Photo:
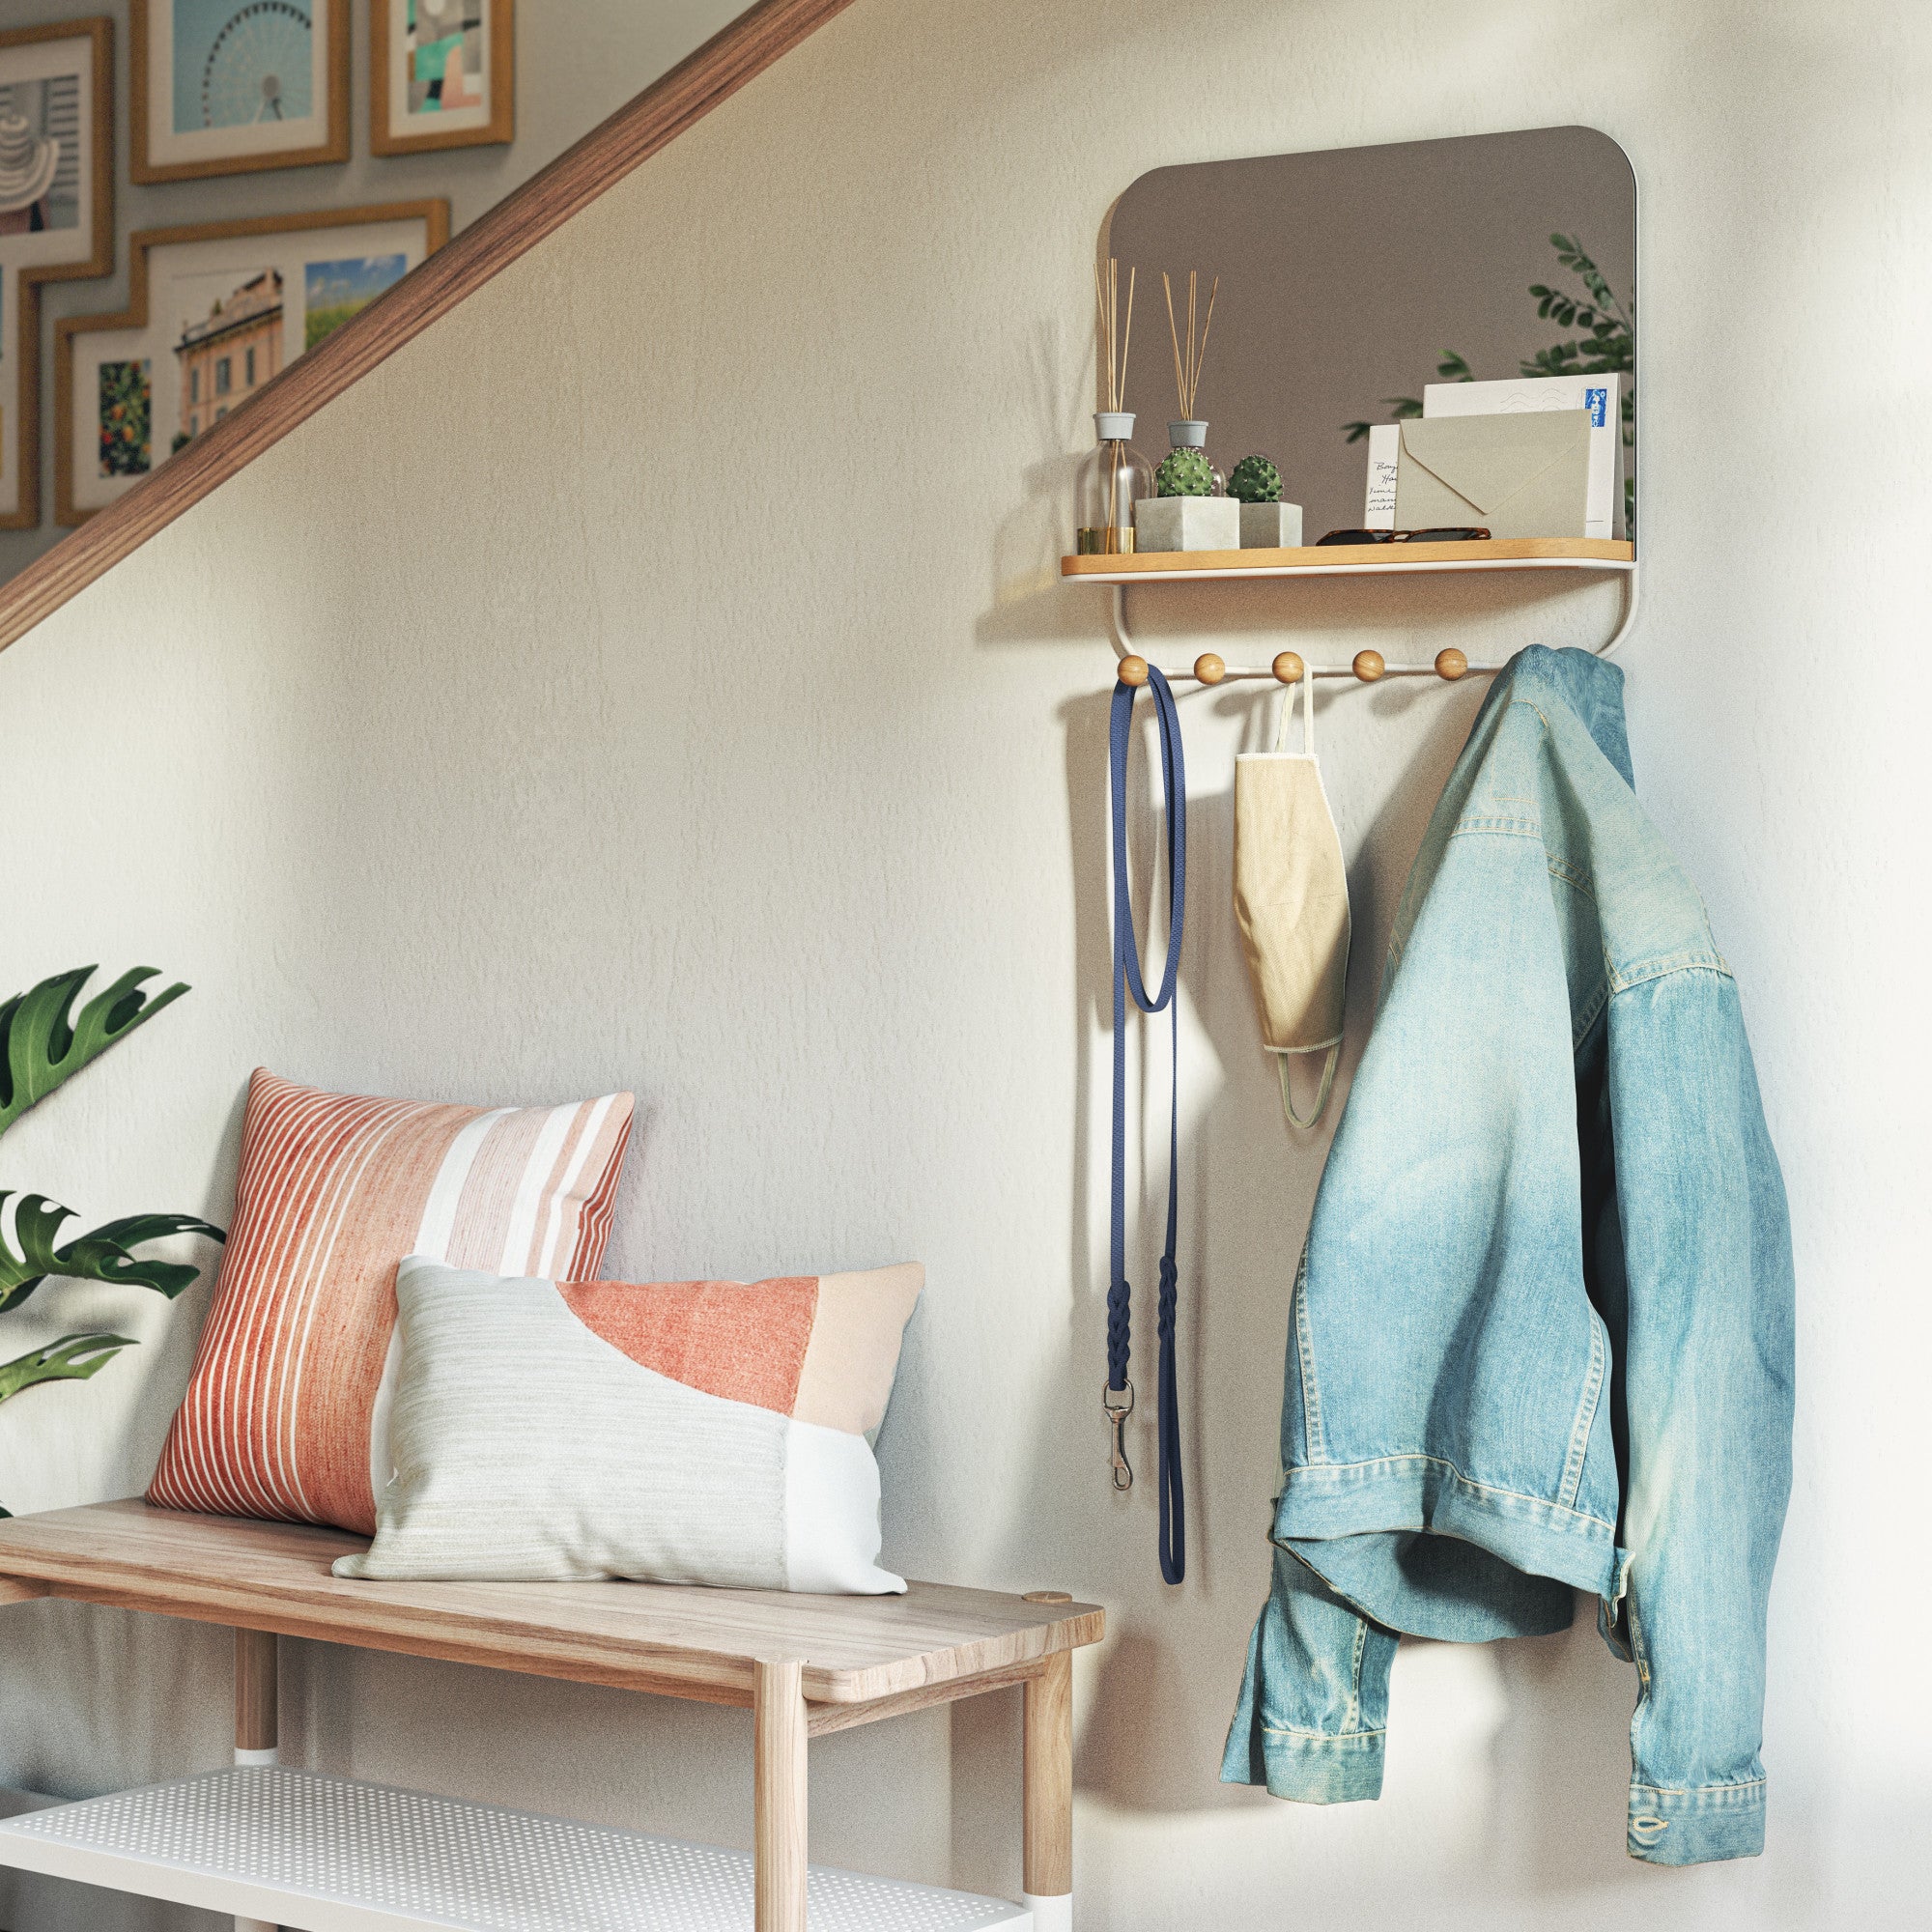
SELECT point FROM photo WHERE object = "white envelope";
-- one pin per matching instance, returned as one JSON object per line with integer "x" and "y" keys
{"x": 1601, "y": 395}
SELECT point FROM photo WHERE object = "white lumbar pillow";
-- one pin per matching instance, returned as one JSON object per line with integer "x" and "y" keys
{"x": 528, "y": 1447}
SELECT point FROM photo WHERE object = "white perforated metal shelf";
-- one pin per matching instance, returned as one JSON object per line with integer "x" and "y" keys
{"x": 329, "y": 1855}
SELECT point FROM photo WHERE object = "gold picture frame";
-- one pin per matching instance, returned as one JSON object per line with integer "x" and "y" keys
{"x": 60, "y": 113}
{"x": 396, "y": 124}
{"x": 233, "y": 69}
{"x": 234, "y": 278}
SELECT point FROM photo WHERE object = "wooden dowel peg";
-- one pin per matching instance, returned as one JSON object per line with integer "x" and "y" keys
{"x": 1133, "y": 671}
{"x": 1287, "y": 668}
{"x": 1450, "y": 664}
{"x": 1369, "y": 665}
{"x": 1210, "y": 669}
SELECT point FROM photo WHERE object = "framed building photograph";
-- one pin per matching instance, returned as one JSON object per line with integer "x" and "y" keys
{"x": 56, "y": 216}
{"x": 441, "y": 74}
{"x": 226, "y": 87}
{"x": 217, "y": 311}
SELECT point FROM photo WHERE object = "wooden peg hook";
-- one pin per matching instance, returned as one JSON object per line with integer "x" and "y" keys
{"x": 1133, "y": 671}
{"x": 1287, "y": 668}
{"x": 1369, "y": 665}
{"x": 1210, "y": 669}
{"x": 1450, "y": 664}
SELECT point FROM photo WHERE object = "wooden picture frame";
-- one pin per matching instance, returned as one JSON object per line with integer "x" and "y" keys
{"x": 383, "y": 242}
{"x": 46, "y": 248}
{"x": 258, "y": 33}
{"x": 394, "y": 128}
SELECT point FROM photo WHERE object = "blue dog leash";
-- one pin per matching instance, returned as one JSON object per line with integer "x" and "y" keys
{"x": 1116, "y": 1398}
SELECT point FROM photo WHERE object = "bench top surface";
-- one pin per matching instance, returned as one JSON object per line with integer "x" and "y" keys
{"x": 671, "y": 1638}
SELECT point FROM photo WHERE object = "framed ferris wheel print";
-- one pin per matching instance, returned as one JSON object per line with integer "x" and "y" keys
{"x": 225, "y": 87}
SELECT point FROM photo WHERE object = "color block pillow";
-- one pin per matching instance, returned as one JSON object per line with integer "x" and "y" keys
{"x": 286, "y": 1411}
{"x": 566, "y": 1432}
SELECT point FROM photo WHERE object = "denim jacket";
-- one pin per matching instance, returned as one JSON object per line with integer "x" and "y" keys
{"x": 1540, "y": 1334}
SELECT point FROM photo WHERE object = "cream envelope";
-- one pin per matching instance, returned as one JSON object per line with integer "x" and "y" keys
{"x": 1524, "y": 475}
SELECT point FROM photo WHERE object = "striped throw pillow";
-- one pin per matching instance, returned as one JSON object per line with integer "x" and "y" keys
{"x": 287, "y": 1405}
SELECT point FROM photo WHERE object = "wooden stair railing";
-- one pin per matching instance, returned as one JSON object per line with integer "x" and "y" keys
{"x": 630, "y": 137}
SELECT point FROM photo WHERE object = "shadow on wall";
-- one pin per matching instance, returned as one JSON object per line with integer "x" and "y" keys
{"x": 1553, "y": 1720}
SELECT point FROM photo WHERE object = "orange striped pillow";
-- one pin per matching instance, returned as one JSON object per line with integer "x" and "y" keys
{"x": 286, "y": 1411}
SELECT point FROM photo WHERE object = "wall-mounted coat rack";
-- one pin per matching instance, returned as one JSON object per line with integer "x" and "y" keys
{"x": 1493, "y": 259}
{"x": 1593, "y": 555}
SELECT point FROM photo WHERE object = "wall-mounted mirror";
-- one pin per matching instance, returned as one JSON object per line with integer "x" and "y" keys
{"x": 1350, "y": 282}
{"x": 286, "y": 165}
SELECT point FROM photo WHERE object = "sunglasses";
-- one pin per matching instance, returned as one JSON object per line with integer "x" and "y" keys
{"x": 1465, "y": 533}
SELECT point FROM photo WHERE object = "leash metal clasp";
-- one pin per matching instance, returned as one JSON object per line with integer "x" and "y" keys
{"x": 1117, "y": 1413}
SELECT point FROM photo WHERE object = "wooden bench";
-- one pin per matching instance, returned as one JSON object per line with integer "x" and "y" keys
{"x": 273, "y": 1845}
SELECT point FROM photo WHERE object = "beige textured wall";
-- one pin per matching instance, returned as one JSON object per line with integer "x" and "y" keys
{"x": 655, "y": 676}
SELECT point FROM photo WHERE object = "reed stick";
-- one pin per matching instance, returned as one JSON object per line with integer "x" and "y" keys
{"x": 1188, "y": 361}
{"x": 1120, "y": 338}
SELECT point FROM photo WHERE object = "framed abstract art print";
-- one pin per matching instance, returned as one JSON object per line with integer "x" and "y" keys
{"x": 215, "y": 311}
{"x": 441, "y": 74}
{"x": 226, "y": 87}
{"x": 56, "y": 216}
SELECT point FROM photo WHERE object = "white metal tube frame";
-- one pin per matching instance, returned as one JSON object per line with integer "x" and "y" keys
{"x": 1368, "y": 667}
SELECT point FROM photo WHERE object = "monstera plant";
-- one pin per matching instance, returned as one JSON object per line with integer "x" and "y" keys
{"x": 43, "y": 1042}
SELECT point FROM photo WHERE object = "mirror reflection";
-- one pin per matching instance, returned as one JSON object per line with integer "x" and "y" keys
{"x": 1448, "y": 322}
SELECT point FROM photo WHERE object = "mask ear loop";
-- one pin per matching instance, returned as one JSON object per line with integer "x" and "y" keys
{"x": 1306, "y": 686}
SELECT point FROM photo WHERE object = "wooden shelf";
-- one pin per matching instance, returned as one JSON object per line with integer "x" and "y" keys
{"x": 1190, "y": 566}
{"x": 886, "y": 1653}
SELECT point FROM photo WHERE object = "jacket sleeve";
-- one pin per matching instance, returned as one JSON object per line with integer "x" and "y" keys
{"x": 1705, "y": 1304}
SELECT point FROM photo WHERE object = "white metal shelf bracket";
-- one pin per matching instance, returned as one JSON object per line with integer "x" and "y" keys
{"x": 1124, "y": 646}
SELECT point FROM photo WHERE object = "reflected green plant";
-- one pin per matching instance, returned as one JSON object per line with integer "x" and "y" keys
{"x": 1606, "y": 346}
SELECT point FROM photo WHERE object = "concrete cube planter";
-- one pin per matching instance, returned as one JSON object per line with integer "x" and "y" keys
{"x": 1271, "y": 525}
{"x": 1187, "y": 523}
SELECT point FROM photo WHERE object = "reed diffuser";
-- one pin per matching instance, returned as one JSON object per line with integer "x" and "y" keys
{"x": 1116, "y": 476}
{"x": 1187, "y": 430}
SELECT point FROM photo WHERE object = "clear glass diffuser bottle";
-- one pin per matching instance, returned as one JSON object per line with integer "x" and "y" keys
{"x": 1112, "y": 480}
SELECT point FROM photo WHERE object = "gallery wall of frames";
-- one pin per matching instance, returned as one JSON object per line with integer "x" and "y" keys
{"x": 195, "y": 192}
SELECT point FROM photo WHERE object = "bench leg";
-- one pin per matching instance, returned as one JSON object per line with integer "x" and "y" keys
{"x": 255, "y": 1717}
{"x": 778, "y": 1808}
{"x": 1049, "y": 1794}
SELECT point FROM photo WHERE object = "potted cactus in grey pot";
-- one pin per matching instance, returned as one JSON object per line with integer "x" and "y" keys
{"x": 1185, "y": 513}
{"x": 44, "y": 1042}
{"x": 1267, "y": 522}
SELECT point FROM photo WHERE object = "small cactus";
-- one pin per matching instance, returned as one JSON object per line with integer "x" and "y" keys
{"x": 1255, "y": 480}
{"x": 1185, "y": 472}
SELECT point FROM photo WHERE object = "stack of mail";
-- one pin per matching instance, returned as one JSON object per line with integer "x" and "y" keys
{"x": 1535, "y": 457}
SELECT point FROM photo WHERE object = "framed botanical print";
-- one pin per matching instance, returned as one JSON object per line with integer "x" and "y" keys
{"x": 215, "y": 311}
{"x": 226, "y": 87}
{"x": 56, "y": 216}
{"x": 441, "y": 74}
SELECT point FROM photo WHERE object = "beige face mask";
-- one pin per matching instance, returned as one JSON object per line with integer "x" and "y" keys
{"x": 1291, "y": 900}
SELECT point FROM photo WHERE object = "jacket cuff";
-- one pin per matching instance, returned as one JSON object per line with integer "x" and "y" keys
{"x": 1313, "y": 1769}
{"x": 1696, "y": 1827}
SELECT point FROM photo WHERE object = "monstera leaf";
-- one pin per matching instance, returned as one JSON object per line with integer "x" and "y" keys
{"x": 70, "y": 1359}
{"x": 103, "y": 1254}
{"x": 43, "y": 1041}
